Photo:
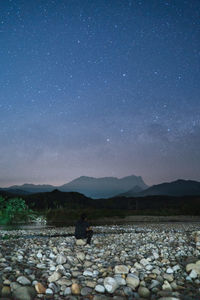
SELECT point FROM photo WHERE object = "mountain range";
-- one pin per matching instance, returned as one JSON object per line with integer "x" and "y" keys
{"x": 104, "y": 187}
{"x": 107, "y": 187}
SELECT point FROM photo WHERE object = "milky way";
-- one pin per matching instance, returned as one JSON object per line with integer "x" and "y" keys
{"x": 99, "y": 88}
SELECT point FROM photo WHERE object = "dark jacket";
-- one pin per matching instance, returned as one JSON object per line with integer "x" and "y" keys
{"x": 80, "y": 229}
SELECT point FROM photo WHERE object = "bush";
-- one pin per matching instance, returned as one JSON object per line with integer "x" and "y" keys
{"x": 14, "y": 210}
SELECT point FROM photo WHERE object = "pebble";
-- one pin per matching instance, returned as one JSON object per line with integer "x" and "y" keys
{"x": 132, "y": 281}
{"x": 75, "y": 288}
{"x": 23, "y": 280}
{"x": 99, "y": 288}
{"x": 157, "y": 261}
{"x": 40, "y": 289}
{"x": 110, "y": 284}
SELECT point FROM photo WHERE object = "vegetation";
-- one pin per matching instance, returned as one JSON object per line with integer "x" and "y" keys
{"x": 65, "y": 208}
{"x": 14, "y": 210}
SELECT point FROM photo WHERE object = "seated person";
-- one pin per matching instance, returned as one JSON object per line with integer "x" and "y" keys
{"x": 83, "y": 229}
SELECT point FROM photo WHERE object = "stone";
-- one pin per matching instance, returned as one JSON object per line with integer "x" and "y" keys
{"x": 54, "y": 287}
{"x": 138, "y": 266}
{"x": 99, "y": 288}
{"x": 67, "y": 291}
{"x": 169, "y": 271}
{"x": 176, "y": 268}
{"x": 120, "y": 280}
{"x": 166, "y": 286}
{"x": 6, "y": 291}
{"x": 7, "y": 282}
{"x": 49, "y": 291}
{"x": 40, "y": 289}
{"x": 80, "y": 242}
{"x": 39, "y": 255}
{"x": 88, "y": 273}
{"x": 143, "y": 292}
{"x": 91, "y": 284}
{"x": 75, "y": 288}
{"x": 61, "y": 259}
{"x": 23, "y": 280}
{"x": 64, "y": 281}
{"x": 193, "y": 274}
{"x": 54, "y": 277}
{"x": 121, "y": 269}
{"x": 87, "y": 264}
{"x": 132, "y": 281}
{"x": 24, "y": 293}
{"x": 195, "y": 267}
{"x": 14, "y": 286}
{"x": 85, "y": 291}
{"x": 168, "y": 298}
{"x": 80, "y": 255}
{"x": 110, "y": 284}
{"x": 168, "y": 277}
{"x": 197, "y": 236}
{"x": 144, "y": 262}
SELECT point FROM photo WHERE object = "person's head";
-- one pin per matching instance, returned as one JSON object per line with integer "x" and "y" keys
{"x": 83, "y": 217}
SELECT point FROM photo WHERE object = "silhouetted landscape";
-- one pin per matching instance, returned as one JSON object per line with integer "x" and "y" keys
{"x": 181, "y": 197}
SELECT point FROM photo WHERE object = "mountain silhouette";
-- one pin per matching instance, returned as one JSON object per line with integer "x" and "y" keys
{"x": 179, "y": 187}
{"x": 104, "y": 187}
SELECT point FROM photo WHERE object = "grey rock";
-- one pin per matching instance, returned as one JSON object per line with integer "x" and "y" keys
{"x": 110, "y": 284}
{"x": 99, "y": 288}
{"x": 23, "y": 280}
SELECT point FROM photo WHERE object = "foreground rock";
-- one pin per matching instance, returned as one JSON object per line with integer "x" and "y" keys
{"x": 142, "y": 262}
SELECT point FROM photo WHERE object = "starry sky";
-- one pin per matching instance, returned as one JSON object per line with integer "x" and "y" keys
{"x": 99, "y": 88}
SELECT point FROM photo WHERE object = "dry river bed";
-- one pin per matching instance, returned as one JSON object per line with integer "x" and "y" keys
{"x": 142, "y": 261}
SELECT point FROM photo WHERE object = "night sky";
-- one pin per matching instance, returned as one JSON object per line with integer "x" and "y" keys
{"x": 99, "y": 88}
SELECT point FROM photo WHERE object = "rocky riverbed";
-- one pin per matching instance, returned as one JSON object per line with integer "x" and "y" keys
{"x": 146, "y": 261}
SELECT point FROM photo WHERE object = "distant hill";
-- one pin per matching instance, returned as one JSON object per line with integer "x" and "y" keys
{"x": 104, "y": 187}
{"x": 131, "y": 193}
{"x": 176, "y": 188}
{"x": 30, "y": 188}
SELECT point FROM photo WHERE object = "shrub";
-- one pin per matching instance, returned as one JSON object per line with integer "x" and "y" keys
{"x": 14, "y": 210}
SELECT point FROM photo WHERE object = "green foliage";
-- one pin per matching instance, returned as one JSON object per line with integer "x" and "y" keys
{"x": 14, "y": 210}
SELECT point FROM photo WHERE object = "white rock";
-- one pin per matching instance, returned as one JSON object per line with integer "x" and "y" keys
{"x": 99, "y": 288}
{"x": 169, "y": 271}
{"x": 87, "y": 273}
{"x": 61, "y": 259}
{"x": 110, "y": 284}
{"x": 80, "y": 242}
{"x": 156, "y": 255}
{"x": 144, "y": 262}
{"x": 193, "y": 274}
{"x": 55, "y": 276}
{"x": 176, "y": 268}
